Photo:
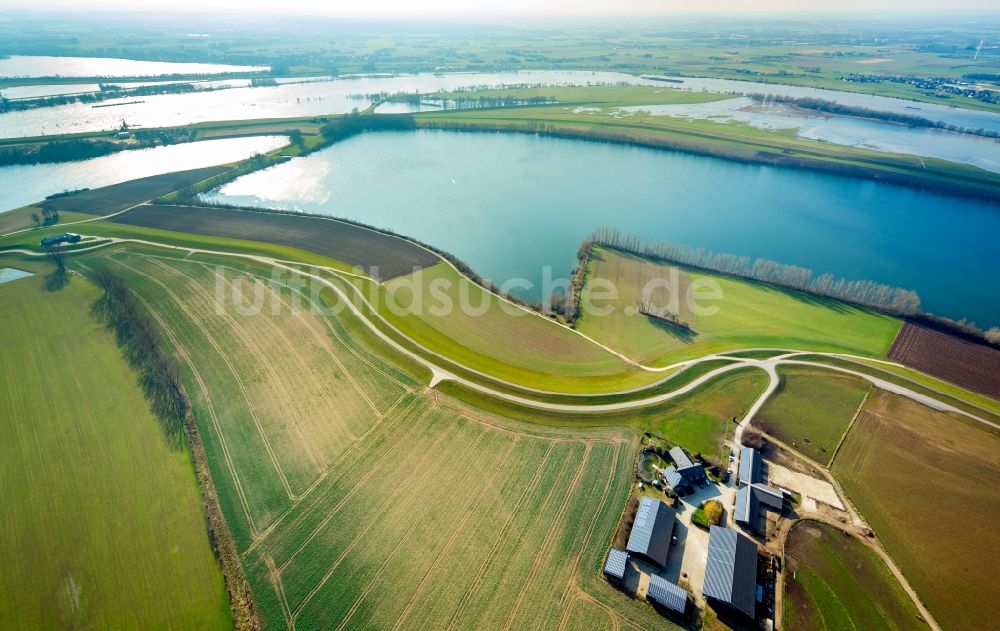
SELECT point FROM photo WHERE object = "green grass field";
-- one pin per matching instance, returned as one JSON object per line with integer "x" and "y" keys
{"x": 833, "y": 581}
{"x": 359, "y": 499}
{"x": 495, "y": 337}
{"x": 698, "y": 420}
{"x": 102, "y": 524}
{"x": 20, "y": 219}
{"x": 749, "y": 315}
{"x": 929, "y": 485}
{"x": 812, "y": 409}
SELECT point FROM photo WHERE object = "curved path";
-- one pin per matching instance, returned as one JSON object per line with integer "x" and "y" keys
{"x": 441, "y": 373}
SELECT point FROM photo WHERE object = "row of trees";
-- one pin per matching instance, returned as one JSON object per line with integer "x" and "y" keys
{"x": 136, "y": 336}
{"x": 49, "y": 216}
{"x": 861, "y": 292}
{"x": 831, "y": 107}
{"x": 82, "y": 149}
{"x": 106, "y": 92}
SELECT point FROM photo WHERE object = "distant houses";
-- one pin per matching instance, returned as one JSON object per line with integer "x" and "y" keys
{"x": 651, "y": 531}
{"x": 754, "y": 496}
{"x": 684, "y": 474}
{"x": 731, "y": 570}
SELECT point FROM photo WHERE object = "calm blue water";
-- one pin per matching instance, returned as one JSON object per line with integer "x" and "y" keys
{"x": 24, "y": 184}
{"x": 8, "y": 274}
{"x": 511, "y": 204}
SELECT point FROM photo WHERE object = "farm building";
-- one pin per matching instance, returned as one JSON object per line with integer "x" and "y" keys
{"x": 651, "y": 532}
{"x": 66, "y": 237}
{"x": 749, "y": 501}
{"x": 753, "y": 495}
{"x": 731, "y": 570}
{"x": 750, "y": 462}
{"x": 614, "y": 567}
{"x": 666, "y": 594}
{"x": 684, "y": 473}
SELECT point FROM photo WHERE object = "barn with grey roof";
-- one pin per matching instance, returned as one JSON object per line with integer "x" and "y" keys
{"x": 731, "y": 570}
{"x": 753, "y": 496}
{"x": 750, "y": 462}
{"x": 614, "y": 567}
{"x": 666, "y": 594}
{"x": 651, "y": 531}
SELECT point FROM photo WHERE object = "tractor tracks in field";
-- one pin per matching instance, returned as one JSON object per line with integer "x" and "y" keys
{"x": 236, "y": 375}
{"x": 419, "y": 465}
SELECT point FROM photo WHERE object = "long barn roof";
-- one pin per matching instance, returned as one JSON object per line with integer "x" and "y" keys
{"x": 731, "y": 570}
{"x": 650, "y": 536}
{"x": 749, "y": 465}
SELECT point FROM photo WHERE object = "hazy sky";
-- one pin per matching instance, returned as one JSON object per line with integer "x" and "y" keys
{"x": 459, "y": 8}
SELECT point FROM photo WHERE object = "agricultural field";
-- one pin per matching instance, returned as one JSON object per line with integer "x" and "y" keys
{"x": 973, "y": 402}
{"x": 967, "y": 364}
{"x": 811, "y": 409}
{"x": 359, "y": 499}
{"x": 834, "y": 581}
{"x": 381, "y": 255}
{"x": 929, "y": 485}
{"x": 749, "y": 315}
{"x": 118, "y": 197}
{"x": 20, "y": 218}
{"x": 90, "y": 477}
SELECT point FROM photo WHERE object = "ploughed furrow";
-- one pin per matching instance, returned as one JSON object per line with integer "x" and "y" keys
{"x": 374, "y": 451}
{"x": 375, "y": 515}
{"x": 488, "y": 602}
{"x": 290, "y": 432}
{"x": 401, "y": 570}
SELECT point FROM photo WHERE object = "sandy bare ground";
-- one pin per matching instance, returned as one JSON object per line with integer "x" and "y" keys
{"x": 809, "y": 487}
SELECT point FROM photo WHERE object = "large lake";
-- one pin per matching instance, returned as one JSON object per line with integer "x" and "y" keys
{"x": 312, "y": 98}
{"x": 510, "y": 205}
{"x": 44, "y": 66}
{"x": 23, "y": 184}
{"x": 295, "y": 98}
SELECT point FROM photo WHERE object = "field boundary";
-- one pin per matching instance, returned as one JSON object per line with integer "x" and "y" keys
{"x": 854, "y": 419}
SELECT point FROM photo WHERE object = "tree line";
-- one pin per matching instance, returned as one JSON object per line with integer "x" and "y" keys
{"x": 136, "y": 336}
{"x": 866, "y": 293}
{"x": 105, "y": 92}
{"x": 82, "y": 149}
{"x": 840, "y": 109}
{"x": 50, "y": 215}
